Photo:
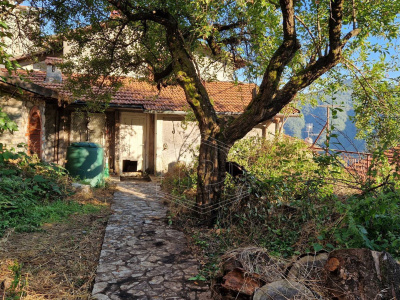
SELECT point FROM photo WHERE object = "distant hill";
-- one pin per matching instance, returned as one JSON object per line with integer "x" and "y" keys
{"x": 344, "y": 127}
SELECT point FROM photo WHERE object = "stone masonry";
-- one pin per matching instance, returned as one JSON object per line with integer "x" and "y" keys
{"x": 142, "y": 257}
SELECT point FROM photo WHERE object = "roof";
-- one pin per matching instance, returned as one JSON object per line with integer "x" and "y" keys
{"x": 227, "y": 97}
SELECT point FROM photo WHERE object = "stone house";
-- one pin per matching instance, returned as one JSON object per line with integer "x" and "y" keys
{"x": 143, "y": 129}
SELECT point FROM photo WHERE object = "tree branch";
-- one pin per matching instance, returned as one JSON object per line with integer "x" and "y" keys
{"x": 269, "y": 100}
{"x": 335, "y": 27}
{"x": 220, "y": 27}
{"x": 350, "y": 35}
{"x": 158, "y": 76}
{"x": 262, "y": 106}
{"x": 317, "y": 45}
{"x": 159, "y": 16}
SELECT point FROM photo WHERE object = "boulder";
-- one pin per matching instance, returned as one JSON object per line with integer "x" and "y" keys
{"x": 283, "y": 290}
{"x": 81, "y": 188}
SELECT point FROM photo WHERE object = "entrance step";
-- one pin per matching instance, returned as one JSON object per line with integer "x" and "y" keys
{"x": 134, "y": 176}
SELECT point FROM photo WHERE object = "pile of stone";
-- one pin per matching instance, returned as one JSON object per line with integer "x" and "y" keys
{"x": 346, "y": 274}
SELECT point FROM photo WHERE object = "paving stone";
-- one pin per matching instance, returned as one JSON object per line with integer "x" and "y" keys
{"x": 100, "y": 297}
{"x": 142, "y": 257}
{"x": 99, "y": 287}
{"x": 156, "y": 280}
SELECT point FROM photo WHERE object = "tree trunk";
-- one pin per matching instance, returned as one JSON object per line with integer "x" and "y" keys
{"x": 362, "y": 274}
{"x": 211, "y": 175}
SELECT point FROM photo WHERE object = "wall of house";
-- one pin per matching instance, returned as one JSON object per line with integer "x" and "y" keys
{"x": 20, "y": 43}
{"x": 18, "y": 110}
{"x": 176, "y": 141}
{"x": 50, "y": 151}
{"x": 88, "y": 128}
{"x": 266, "y": 130}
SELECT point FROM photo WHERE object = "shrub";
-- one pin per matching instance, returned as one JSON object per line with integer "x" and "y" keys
{"x": 26, "y": 187}
{"x": 372, "y": 221}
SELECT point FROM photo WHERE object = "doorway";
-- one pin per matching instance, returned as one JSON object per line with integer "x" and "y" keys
{"x": 35, "y": 133}
{"x": 132, "y": 142}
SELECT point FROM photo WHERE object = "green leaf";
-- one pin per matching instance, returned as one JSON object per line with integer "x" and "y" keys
{"x": 317, "y": 247}
{"x": 198, "y": 277}
{"x": 39, "y": 178}
{"x": 3, "y": 25}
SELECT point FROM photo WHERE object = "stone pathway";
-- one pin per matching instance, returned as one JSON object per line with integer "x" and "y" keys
{"x": 142, "y": 257}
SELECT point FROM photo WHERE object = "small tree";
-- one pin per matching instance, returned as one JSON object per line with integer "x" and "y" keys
{"x": 285, "y": 45}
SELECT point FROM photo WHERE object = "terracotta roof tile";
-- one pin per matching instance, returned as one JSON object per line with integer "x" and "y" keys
{"x": 53, "y": 60}
{"x": 228, "y": 97}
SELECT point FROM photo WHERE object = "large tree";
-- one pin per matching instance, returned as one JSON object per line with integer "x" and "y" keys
{"x": 284, "y": 45}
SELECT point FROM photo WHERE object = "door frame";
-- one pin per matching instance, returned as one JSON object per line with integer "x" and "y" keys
{"x": 145, "y": 138}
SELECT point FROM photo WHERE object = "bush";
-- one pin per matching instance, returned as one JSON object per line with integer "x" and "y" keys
{"x": 27, "y": 187}
{"x": 287, "y": 203}
{"x": 282, "y": 202}
{"x": 371, "y": 221}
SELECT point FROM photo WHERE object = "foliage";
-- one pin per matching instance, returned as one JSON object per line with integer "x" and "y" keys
{"x": 371, "y": 220}
{"x": 292, "y": 193}
{"x": 286, "y": 202}
{"x": 284, "y": 156}
{"x": 179, "y": 179}
{"x": 283, "y": 202}
{"x": 6, "y": 124}
{"x": 32, "y": 192}
{"x": 15, "y": 291}
{"x": 376, "y": 99}
{"x": 5, "y": 58}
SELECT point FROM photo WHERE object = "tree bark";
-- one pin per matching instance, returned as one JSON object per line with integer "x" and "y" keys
{"x": 211, "y": 174}
{"x": 362, "y": 274}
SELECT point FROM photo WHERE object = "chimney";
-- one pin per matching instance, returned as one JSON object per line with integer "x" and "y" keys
{"x": 53, "y": 73}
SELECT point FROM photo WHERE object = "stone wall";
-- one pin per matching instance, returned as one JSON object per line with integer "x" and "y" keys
{"x": 50, "y": 151}
{"x": 18, "y": 110}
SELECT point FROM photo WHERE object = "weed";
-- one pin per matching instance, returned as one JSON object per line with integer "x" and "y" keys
{"x": 33, "y": 192}
{"x": 15, "y": 291}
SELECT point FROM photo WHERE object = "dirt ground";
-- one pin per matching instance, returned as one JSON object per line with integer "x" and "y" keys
{"x": 60, "y": 260}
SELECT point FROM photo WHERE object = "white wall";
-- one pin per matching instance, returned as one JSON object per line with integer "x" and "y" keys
{"x": 176, "y": 141}
{"x": 19, "y": 21}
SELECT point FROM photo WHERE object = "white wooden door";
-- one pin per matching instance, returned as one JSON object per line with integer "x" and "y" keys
{"x": 133, "y": 139}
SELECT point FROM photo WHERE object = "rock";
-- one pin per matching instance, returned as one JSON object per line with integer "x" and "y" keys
{"x": 308, "y": 267}
{"x": 239, "y": 281}
{"x": 362, "y": 274}
{"x": 283, "y": 290}
{"x": 83, "y": 188}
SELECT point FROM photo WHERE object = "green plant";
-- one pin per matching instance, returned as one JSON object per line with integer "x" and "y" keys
{"x": 15, "y": 291}
{"x": 6, "y": 124}
{"x": 32, "y": 192}
{"x": 371, "y": 220}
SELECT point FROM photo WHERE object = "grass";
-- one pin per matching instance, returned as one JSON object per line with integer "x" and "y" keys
{"x": 59, "y": 260}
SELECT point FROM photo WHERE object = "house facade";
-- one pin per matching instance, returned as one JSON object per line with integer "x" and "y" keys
{"x": 142, "y": 130}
